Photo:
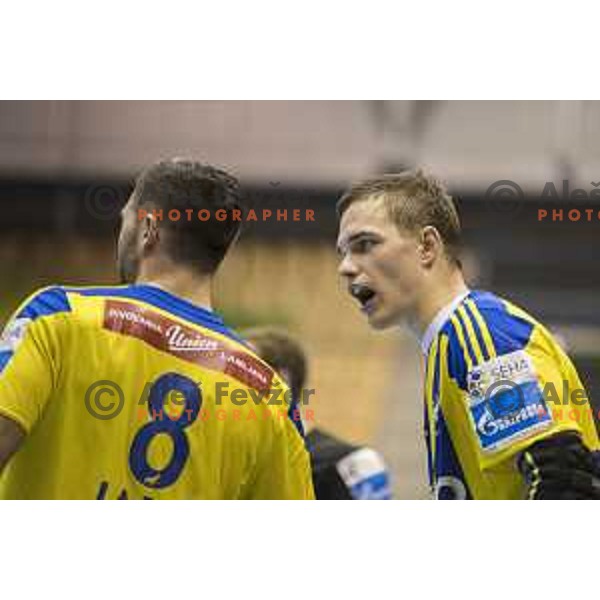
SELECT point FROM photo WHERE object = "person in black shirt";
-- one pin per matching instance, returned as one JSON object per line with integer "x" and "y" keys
{"x": 341, "y": 471}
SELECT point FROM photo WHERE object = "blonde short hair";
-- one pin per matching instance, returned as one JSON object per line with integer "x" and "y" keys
{"x": 412, "y": 200}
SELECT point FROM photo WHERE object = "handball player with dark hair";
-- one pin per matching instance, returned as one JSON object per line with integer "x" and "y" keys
{"x": 491, "y": 429}
{"x": 111, "y": 392}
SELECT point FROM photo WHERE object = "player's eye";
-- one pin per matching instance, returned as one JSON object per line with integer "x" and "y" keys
{"x": 363, "y": 246}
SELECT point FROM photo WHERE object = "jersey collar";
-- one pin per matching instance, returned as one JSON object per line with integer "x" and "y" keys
{"x": 440, "y": 320}
{"x": 160, "y": 292}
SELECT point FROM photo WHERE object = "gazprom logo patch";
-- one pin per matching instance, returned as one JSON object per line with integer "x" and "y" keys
{"x": 505, "y": 401}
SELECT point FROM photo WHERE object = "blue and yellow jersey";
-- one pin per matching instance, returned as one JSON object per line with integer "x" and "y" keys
{"x": 496, "y": 381}
{"x": 131, "y": 392}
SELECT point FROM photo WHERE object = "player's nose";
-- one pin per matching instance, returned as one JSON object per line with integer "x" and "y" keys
{"x": 347, "y": 267}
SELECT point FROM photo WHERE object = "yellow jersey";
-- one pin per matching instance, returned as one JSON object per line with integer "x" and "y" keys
{"x": 495, "y": 382}
{"x": 130, "y": 392}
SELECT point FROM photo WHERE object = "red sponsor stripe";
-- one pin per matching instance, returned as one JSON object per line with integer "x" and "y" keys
{"x": 249, "y": 370}
{"x": 186, "y": 343}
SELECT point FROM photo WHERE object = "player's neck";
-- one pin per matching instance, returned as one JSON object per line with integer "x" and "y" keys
{"x": 441, "y": 293}
{"x": 178, "y": 281}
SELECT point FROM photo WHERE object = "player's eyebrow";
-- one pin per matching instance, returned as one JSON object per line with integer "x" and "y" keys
{"x": 359, "y": 235}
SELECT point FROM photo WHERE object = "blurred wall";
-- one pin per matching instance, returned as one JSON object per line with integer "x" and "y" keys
{"x": 470, "y": 144}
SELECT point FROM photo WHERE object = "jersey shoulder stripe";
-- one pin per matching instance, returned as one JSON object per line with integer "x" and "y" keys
{"x": 463, "y": 339}
{"x": 456, "y": 356}
{"x": 45, "y": 302}
{"x": 483, "y": 327}
{"x": 509, "y": 330}
{"x": 486, "y": 343}
{"x": 42, "y": 303}
{"x": 469, "y": 327}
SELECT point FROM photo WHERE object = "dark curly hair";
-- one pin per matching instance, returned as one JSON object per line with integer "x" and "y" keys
{"x": 181, "y": 184}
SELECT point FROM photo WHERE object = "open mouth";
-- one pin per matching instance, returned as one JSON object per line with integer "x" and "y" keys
{"x": 365, "y": 296}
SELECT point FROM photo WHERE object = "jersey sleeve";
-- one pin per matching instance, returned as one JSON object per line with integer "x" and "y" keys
{"x": 365, "y": 474}
{"x": 30, "y": 356}
{"x": 283, "y": 469}
{"x": 506, "y": 367}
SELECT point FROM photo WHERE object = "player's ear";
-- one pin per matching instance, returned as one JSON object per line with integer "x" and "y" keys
{"x": 150, "y": 232}
{"x": 430, "y": 245}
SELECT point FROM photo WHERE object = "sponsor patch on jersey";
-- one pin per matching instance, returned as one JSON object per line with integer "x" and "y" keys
{"x": 186, "y": 343}
{"x": 13, "y": 334}
{"x": 505, "y": 401}
{"x": 365, "y": 475}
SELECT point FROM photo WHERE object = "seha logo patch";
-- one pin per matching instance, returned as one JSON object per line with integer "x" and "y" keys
{"x": 505, "y": 401}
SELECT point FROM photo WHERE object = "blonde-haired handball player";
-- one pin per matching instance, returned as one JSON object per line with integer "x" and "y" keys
{"x": 140, "y": 390}
{"x": 492, "y": 428}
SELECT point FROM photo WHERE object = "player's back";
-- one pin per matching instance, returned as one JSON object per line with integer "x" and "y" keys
{"x": 132, "y": 392}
